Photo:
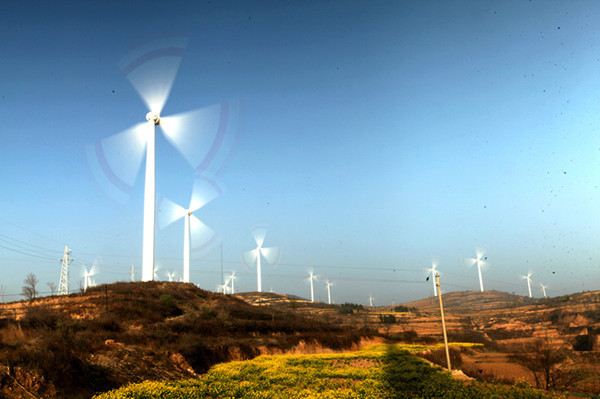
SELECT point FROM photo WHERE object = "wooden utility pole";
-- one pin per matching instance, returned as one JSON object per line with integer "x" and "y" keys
{"x": 437, "y": 283}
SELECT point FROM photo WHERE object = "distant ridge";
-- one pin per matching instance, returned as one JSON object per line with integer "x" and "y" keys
{"x": 470, "y": 300}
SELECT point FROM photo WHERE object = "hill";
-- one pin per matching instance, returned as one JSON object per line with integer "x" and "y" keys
{"x": 77, "y": 345}
{"x": 468, "y": 301}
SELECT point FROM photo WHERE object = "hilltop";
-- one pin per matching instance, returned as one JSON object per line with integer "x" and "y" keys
{"x": 76, "y": 345}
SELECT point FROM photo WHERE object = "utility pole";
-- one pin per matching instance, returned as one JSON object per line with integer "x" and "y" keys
{"x": 437, "y": 283}
{"x": 63, "y": 286}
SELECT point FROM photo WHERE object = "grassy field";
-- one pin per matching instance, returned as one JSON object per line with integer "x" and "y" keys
{"x": 377, "y": 371}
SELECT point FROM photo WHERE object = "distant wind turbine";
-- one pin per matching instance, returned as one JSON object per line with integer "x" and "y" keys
{"x": 231, "y": 279}
{"x": 311, "y": 278}
{"x": 329, "y": 284}
{"x": 544, "y": 287}
{"x": 479, "y": 261}
{"x": 528, "y": 278}
{"x": 433, "y": 271}
{"x": 116, "y": 160}
{"x": 204, "y": 191}
{"x": 371, "y": 300}
{"x": 255, "y": 255}
{"x": 87, "y": 274}
{"x": 171, "y": 275}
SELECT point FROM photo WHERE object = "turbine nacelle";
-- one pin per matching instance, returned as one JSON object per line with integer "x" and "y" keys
{"x": 153, "y": 117}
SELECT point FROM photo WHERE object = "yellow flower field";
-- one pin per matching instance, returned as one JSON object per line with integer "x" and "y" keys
{"x": 377, "y": 371}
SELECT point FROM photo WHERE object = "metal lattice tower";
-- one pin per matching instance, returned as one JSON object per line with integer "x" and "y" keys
{"x": 63, "y": 286}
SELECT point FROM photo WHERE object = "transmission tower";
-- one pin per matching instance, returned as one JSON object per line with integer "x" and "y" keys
{"x": 63, "y": 286}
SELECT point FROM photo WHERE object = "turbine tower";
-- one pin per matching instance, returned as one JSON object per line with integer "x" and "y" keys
{"x": 270, "y": 254}
{"x": 116, "y": 160}
{"x": 371, "y": 300}
{"x": 478, "y": 260}
{"x": 204, "y": 191}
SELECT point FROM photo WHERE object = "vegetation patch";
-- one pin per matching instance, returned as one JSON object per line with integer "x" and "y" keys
{"x": 377, "y": 371}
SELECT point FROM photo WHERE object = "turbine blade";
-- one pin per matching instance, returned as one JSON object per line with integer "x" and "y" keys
{"x": 168, "y": 212}
{"x": 249, "y": 258}
{"x": 151, "y": 69}
{"x": 271, "y": 254}
{"x": 204, "y": 136}
{"x": 204, "y": 191}
{"x": 203, "y": 237}
{"x": 480, "y": 252}
{"x": 95, "y": 267}
{"x": 259, "y": 234}
{"x": 114, "y": 162}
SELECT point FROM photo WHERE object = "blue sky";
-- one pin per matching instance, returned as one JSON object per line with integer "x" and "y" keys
{"x": 369, "y": 138}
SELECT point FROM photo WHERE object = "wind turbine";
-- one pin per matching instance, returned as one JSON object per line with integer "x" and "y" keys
{"x": 231, "y": 279}
{"x": 270, "y": 254}
{"x": 311, "y": 278}
{"x": 87, "y": 275}
{"x": 116, "y": 160}
{"x": 544, "y": 289}
{"x": 171, "y": 276}
{"x": 328, "y": 291}
{"x": 222, "y": 288}
{"x": 433, "y": 271}
{"x": 528, "y": 278}
{"x": 479, "y": 261}
{"x": 371, "y": 300}
{"x": 204, "y": 191}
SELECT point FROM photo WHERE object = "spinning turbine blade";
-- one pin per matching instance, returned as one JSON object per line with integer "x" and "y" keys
{"x": 249, "y": 258}
{"x": 259, "y": 234}
{"x": 271, "y": 254}
{"x": 115, "y": 161}
{"x": 169, "y": 212}
{"x": 152, "y": 68}
{"x": 203, "y": 237}
{"x": 204, "y": 191}
{"x": 203, "y": 136}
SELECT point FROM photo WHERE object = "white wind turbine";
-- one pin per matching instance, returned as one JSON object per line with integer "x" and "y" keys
{"x": 479, "y": 260}
{"x": 116, "y": 160}
{"x": 434, "y": 264}
{"x": 204, "y": 191}
{"x": 171, "y": 275}
{"x": 87, "y": 275}
{"x": 311, "y": 278}
{"x": 222, "y": 288}
{"x": 371, "y": 300}
{"x": 329, "y": 284}
{"x": 231, "y": 279}
{"x": 528, "y": 278}
{"x": 544, "y": 287}
{"x": 270, "y": 254}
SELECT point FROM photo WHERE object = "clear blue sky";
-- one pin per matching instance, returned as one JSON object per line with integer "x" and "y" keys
{"x": 371, "y": 136}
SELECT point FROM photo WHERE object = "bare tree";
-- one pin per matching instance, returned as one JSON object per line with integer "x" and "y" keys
{"x": 52, "y": 287}
{"x": 29, "y": 291}
{"x": 552, "y": 364}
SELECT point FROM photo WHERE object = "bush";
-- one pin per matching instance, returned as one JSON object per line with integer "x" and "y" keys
{"x": 387, "y": 318}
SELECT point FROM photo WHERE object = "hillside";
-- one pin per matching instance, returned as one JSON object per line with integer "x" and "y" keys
{"x": 76, "y": 345}
{"x": 468, "y": 301}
